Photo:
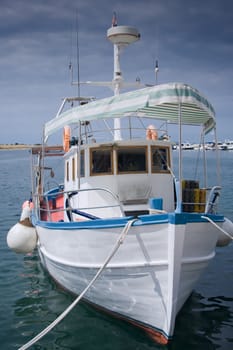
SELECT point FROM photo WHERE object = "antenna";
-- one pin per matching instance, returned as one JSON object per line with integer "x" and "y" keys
{"x": 156, "y": 71}
{"x": 77, "y": 58}
{"x": 120, "y": 36}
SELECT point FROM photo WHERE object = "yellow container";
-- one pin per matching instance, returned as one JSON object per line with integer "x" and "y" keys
{"x": 196, "y": 200}
{"x": 202, "y": 200}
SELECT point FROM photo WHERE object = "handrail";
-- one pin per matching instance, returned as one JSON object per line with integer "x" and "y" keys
{"x": 68, "y": 208}
{"x": 128, "y": 129}
{"x": 100, "y": 206}
{"x": 211, "y": 201}
{"x": 206, "y": 205}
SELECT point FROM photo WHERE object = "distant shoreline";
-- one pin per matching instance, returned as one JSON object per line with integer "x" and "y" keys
{"x": 17, "y": 146}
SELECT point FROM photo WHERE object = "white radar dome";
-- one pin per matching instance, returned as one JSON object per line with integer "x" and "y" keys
{"x": 123, "y": 35}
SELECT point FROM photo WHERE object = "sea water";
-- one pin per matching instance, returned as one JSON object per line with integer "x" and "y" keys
{"x": 30, "y": 300}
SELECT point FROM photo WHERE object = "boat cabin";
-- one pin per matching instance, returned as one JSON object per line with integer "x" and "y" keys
{"x": 136, "y": 171}
{"x": 116, "y": 163}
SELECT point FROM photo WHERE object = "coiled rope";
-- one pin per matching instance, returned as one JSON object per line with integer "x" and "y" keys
{"x": 75, "y": 302}
{"x": 220, "y": 229}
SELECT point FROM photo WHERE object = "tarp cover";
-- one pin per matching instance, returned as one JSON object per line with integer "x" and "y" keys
{"x": 162, "y": 102}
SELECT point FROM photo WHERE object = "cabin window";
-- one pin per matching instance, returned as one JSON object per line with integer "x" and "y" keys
{"x": 101, "y": 161}
{"x": 67, "y": 171}
{"x": 73, "y": 169}
{"x": 160, "y": 159}
{"x": 131, "y": 160}
{"x": 82, "y": 164}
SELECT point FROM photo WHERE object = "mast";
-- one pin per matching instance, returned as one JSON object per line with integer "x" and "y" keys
{"x": 120, "y": 37}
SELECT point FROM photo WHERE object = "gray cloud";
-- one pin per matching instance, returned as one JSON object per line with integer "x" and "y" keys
{"x": 192, "y": 41}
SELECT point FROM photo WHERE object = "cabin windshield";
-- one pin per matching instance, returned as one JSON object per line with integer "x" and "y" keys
{"x": 127, "y": 159}
{"x": 131, "y": 159}
{"x": 160, "y": 159}
{"x": 101, "y": 161}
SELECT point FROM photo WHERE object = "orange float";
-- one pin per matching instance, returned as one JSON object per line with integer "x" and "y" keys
{"x": 151, "y": 133}
{"x": 66, "y": 138}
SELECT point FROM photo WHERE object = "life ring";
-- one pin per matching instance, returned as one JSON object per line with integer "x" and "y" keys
{"x": 151, "y": 133}
{"x": 66, "y": 138}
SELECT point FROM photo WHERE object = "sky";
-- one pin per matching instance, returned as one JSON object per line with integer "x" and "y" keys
{"x": 192, "y": 41}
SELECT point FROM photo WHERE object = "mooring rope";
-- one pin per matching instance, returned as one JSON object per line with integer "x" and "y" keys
{"x": 75, "y": 302}
{"x": 220, "y": 229}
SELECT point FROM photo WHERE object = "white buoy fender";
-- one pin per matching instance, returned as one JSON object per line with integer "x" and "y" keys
{"x": 22, "y": 237}
{"x": 223, "y": 239}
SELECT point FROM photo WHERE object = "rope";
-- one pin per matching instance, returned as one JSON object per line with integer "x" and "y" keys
{"x": 220, "y": 229}
{"x": 75, "y": 302}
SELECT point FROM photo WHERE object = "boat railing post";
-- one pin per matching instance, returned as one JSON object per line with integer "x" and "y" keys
{"x": 47, "y": 208}
{"x": 217, "y": 157}
{"x": 79, "y": 155}
{"x": 179, "y": 190}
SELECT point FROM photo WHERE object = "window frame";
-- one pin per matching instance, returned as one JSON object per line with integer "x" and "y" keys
{"x": 168, "y": 159}
{"x": 73, "y": 169}
{"x": 100, "y": 149}
{"x": 82, "y": 163}
{"x": 144, "y": 147}
{"x": 67, "y": 170}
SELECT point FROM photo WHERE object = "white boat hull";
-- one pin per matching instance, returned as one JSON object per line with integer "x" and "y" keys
{"x": 118, "y": 166}
{"x": 149, "y": 278}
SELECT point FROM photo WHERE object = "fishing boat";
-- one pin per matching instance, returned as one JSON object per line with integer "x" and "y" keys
{"x": 229, "y": 145}
{"x": 123, "y": 229}
{"x": 187, "y": 146}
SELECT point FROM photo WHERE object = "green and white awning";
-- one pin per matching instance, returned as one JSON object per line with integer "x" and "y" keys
{"x": 161, "y": 102}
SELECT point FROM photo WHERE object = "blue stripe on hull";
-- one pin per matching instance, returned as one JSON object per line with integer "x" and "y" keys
{"x": 172, "y": 218}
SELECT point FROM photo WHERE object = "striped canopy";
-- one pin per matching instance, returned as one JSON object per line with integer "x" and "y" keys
{"x": 169, "y": 102}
